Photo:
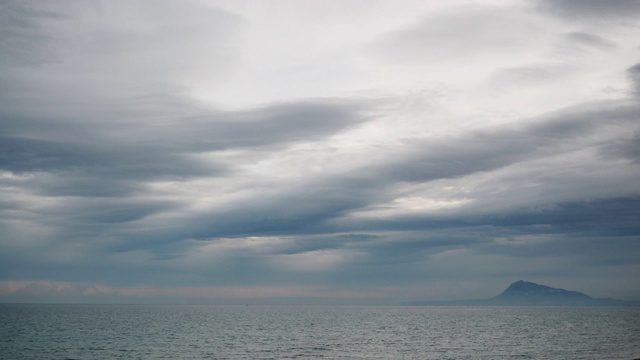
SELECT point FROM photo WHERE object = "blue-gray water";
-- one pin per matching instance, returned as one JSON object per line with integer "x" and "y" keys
{"x": 283, "y": 332}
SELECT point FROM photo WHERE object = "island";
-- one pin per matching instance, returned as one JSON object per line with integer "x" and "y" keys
{"x": 525, "y": 293}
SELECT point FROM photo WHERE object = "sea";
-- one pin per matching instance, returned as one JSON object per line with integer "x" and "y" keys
{"x": 39, "y": 331}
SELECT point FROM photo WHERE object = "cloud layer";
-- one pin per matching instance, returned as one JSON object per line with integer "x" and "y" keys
{"x": 320, "y": 153}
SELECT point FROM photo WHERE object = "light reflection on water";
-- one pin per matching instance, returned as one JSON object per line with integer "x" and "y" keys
{"x": 286, "y": 332}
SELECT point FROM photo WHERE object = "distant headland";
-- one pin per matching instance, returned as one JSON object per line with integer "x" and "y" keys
{"x": 525, "y": 293}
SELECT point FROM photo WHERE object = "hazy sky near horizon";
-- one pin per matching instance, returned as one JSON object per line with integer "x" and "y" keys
{"x": 317, "y": 151}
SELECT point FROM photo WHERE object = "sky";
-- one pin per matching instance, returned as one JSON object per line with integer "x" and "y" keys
{"x": 317, "y": 152}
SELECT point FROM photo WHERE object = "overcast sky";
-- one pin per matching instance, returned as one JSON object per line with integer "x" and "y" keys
{"x": 320, "y": 152}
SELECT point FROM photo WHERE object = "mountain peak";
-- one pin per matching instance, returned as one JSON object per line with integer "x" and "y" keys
{"x": 526, "y": 293}
{"x": 528, "y": 286}
{"x": 529, "y": 292}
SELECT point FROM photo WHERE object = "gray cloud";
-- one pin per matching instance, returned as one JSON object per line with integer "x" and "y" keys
{"x": 149, "y": 150}
{"x": 323, "y": 206}
{"x": 591, "y": 40}
{"x": 120, "y": 164}
{"x": 634, "y": 75}
{"x": 627, "y": 147}
{"x": 490, "y": 150}
{"x": 285, "y": 123}
{"x": 591, "y": 9}
{"x": 24, "y": 39}
{"x": 316, "y": 214}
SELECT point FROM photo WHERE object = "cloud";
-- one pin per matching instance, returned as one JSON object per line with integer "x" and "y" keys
{"x": 488, "y": 149}
{"x": 530, "y": 75}
{"x": 590, "y": 40}
{"x": 144, "y": 148}
{"x": 23, "y": 37}
{"x": 153, "y": 149}
{"x": 634, "y": 75}
{"x": 330, "y": 205}
{"x": 591, "y": 9}
{"x": 459, "y": 35}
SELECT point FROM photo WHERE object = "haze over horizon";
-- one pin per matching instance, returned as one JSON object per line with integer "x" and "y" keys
{"x": 317, "y": 152}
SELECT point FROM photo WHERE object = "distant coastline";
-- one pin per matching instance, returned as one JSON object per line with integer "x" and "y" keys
{"x": 526, "y": 293}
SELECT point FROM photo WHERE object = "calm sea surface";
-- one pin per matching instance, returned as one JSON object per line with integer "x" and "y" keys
{"x": 283, "y": 332}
